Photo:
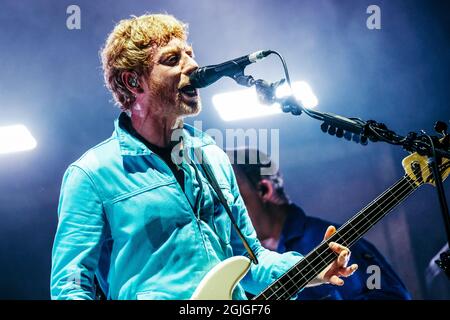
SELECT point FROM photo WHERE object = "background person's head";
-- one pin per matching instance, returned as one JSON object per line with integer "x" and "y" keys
{"x": 258, "y": 191}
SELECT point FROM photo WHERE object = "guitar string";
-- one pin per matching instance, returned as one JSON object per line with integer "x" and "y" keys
{"x": 377, "y": 218}
{"x": 328, "y": 253}
{"x": 370, "y": 223}
{"x": 350, "y": 241}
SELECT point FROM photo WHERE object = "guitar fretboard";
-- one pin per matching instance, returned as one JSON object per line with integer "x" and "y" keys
{"x": 318, "y": 259}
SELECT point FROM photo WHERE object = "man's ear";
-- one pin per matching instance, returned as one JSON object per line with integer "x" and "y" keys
{"x": 265, "y": 190}
{"x": 131, "y": 80}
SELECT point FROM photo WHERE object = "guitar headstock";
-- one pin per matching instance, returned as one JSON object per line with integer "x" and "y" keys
{"x": 419, "y": 169}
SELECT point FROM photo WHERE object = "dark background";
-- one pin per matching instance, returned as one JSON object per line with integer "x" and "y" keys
{"x": 51, "y": 81}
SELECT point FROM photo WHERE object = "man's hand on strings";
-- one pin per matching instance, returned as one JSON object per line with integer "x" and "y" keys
{"x": 338, "y": 268}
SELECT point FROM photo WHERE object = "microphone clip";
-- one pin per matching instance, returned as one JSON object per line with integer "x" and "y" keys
{"x": 266, "y": 93}
{"x": 242, "y": 79}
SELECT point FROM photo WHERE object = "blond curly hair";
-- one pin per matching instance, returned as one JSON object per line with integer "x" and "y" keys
{"x": 130, "y": 47}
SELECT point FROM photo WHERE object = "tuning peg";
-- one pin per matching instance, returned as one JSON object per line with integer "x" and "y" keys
{"x": 441, "y": 127}
{"x": 339, "y": 132}
{"x": 332, "y": 130}
{"x": 347, "y": 135}
{"x": 363, "y": 140}
{"x": 324, "y": 127}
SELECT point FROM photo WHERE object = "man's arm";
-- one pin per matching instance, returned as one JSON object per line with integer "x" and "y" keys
{"x": 78, "y": 239}
{"x": 271, "y": 264}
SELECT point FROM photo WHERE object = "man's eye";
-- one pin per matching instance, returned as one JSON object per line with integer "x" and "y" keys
{"x": 172, "y": 59}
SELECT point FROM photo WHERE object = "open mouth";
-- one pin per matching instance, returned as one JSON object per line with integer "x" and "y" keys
{"x": 189, "y": 91}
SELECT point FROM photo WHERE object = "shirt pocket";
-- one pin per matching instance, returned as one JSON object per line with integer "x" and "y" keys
{"x": 155, "y": 211}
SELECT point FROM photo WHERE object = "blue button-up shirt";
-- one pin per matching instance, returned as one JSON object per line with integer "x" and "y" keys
{"x": 124, "y": 217}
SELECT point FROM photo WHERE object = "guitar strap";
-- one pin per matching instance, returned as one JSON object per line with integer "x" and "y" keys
{"x": 206, "y": 166}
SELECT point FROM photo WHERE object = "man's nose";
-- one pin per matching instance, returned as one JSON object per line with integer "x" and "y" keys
{"x": 190, "y": 65}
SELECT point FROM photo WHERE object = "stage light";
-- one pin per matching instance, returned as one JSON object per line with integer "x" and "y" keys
{"x": 243, "y": 104}
{"x": 16, "y": 138}
{"x": 302, "y": 91}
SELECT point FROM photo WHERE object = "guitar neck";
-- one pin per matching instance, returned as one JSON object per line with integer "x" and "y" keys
{"x": 312, "y": 264}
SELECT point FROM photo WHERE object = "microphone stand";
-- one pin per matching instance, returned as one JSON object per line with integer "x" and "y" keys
{"x": 434, "y": 147}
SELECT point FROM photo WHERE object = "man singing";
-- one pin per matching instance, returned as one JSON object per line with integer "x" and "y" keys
{"x": 146, "y": 226}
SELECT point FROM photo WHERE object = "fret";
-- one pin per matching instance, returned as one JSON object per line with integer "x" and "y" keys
{"x": 297, "y": 282}
{"x": 319, "y": 254}
{"x": 299, "y": 276}
{"x": 356, "y": 224}
{"x": 273, "y": 291}
{"x": 287, "y": 275}
{"x": 354, "y": 233}
{"x": 292, "y": 290}
{"x": 411, "y": 184}
{"x": 313, "y": 255}
{"x": 377, "y": 210}
{"x": 378, "y": 206}
{"x": 393, "y": 194}
{"x": 363, "y": 216}
{"x": 324, "y": 263}
{"x": 285, "y": 287}
{"x": 296, "y": 272}
{"x": 290, "y": 287}
{"x": 338, "y": 237}
{"x": 306, "y": 269}
{"x": 281, "y": 287}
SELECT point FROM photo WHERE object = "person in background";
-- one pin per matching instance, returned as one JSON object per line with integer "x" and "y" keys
{"x": 436, "y": 279}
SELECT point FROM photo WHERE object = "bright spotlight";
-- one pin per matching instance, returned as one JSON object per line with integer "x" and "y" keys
{"x": 16, "y": 138}
{"x": 302, "y": 91}
{"x": 244, "y": 104}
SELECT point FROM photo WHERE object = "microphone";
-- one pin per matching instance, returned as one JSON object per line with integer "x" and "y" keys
{"x": 204, "y": 76}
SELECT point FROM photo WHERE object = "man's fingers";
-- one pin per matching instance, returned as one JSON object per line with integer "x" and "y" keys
{"x": 330, "y": 231}
{"x": 346, "y": 272}
{"x": 336, "y": 280}
{"x": 343, "y": 258}
{"x": 338, "y": 248}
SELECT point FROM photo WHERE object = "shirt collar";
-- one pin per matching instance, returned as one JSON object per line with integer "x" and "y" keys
{"x": 132, "y": 146}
